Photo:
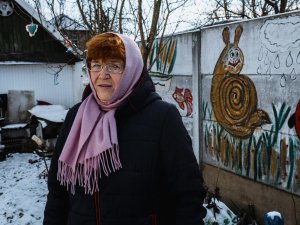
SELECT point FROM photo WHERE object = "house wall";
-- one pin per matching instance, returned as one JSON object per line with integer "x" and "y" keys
{"x": 54, "y": 83}
{"x": 245, "y": 126}
{"x": 78, "y": 37}
{"x": 17, "y": 45}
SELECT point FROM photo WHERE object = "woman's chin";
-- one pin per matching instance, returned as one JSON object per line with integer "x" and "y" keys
{"x": 103, "y": 101}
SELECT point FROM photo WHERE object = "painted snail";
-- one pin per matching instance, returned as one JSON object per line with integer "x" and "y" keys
{"x": 233, "y": 95}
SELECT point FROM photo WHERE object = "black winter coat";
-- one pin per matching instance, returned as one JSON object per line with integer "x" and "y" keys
{"x": 159, "y": 183}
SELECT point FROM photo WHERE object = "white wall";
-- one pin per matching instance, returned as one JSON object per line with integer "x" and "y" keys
{"x": 179, "y": 80}
{"x": 271, "y": 49}
{"x": 54, "y": 83}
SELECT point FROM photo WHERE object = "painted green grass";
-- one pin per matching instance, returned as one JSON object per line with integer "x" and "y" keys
{"x": 269, "y": 138}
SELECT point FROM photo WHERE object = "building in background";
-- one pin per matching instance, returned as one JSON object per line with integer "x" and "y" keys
{"x": 76, "y": 32}
{"x": 34, "y": 56}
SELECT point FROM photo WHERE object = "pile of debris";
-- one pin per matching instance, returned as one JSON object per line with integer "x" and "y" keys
{"x": 16, "y": 137}
{"x": 19, "y": 123}
{"x": 50, "y": 119}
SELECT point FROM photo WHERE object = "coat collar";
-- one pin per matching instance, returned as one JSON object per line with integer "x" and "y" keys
{"x": 143, "y": 94}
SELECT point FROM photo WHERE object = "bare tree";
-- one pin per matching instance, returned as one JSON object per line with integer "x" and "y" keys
{"x": 101, "y": 16}
{"x": 143, "y": 20}
{"x": 146, "y": 44}
{"x": 161, "y": 11}
{"x": 231, "y": 9}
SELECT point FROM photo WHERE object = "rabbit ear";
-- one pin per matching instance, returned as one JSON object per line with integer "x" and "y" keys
{"x": 226, "y": 35}
{"x": 238, "y": 34}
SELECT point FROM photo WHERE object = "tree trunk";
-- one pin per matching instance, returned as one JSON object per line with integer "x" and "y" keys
{"x": 153, "y": 29}
{"x": 283, "y": 4}
{"x": 140, "y": 24}
{"x": 121, "y": 17}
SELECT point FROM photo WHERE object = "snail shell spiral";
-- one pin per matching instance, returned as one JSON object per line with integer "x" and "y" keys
{"x": 237, "y": 99}
{"x": 234, "y": 103}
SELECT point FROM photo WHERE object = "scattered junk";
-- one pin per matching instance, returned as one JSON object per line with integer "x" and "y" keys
{"x": 238, "y": 216}
{"x": 18, "y": 104}
{"x": 2, "y": 153}
{"x": 16, "y": 138}
{"x": 3, "y": 107}
{"x": 41, "y": 147}
{"x": 15, "y": 132}
{"x": 273, "y": 218}
{"x": 3, "y": 110}
{"x": 49, "y": 119}
{"x": 22, "y": 117}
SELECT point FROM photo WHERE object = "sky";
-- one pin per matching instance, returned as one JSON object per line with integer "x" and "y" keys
{"x": 189, "y": 15}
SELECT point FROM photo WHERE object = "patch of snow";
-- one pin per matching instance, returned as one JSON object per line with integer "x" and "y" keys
{"x": 43, "y": 123}
{"x": 54, "y": 113}
{"x": 225, "y": 217}
{"x": 14, "y": 126}
{"x": 273, "y": 214}
{"x": 19, "y": 63}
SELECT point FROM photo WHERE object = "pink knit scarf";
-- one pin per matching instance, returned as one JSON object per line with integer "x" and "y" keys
{"x": 91, "y": 148}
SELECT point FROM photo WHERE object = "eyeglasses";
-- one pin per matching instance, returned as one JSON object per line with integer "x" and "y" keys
{"x": 109, "y": 68}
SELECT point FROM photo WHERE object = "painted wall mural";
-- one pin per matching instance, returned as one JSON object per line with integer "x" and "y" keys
{"x": 161, "y": 62}
{"x": 251, "y": 120}
{"x": 280, "y": 49}
{"x": 163, "y": 56}
{"x": 267, "y": 155}
{"x": 294, "y": 120}
{"x": 170, "y": 67}
{"x": 184, "y": 99}
{"x": 233, "y": 95}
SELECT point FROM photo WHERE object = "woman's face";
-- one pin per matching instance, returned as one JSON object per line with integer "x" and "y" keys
{"x": 106, "y": 77}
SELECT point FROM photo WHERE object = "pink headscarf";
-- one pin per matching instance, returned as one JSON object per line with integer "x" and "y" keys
{"x": 92, "y": 145}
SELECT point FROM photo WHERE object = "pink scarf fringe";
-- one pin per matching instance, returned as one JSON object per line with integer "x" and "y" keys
{"x": 87, "y": 174}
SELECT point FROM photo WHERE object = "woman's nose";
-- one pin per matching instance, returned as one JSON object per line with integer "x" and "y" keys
{"x": 103, "y": 74}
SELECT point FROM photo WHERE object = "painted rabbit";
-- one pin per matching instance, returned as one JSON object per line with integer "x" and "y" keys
{"x": 233, "y": 95}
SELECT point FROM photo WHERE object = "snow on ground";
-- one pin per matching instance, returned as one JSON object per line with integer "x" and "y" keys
{"x": 225, "y": 217}
{"x": 14, "y": 126}
{"x": 23, "y": 192}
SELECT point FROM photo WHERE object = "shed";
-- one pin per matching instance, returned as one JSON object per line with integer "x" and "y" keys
{"x": 41, "y": 63}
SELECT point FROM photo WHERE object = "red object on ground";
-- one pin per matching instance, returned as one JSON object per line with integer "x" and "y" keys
{"x": 297, "y": 120}
{"x": 43, "y": 103}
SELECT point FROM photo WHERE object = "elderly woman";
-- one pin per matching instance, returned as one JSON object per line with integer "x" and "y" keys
{"x": 123, "y": 156}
